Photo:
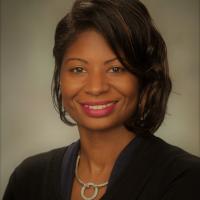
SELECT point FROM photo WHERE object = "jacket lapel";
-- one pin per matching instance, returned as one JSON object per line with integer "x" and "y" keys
{"x": 133, "y": 179}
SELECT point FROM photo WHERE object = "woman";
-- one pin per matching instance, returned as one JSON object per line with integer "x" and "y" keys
{"x": 111, "y": 78}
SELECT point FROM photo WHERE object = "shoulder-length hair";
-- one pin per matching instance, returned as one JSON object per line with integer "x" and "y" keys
{"x": 128, "y": 28}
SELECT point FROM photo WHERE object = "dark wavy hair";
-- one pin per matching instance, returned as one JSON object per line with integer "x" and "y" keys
{"x": 128, "y": 28}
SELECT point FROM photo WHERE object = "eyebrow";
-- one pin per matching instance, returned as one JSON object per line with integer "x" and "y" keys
{"x": 71, "y": 59}
{"x": 111, "y": 60}
{"x": 84, "y": 61}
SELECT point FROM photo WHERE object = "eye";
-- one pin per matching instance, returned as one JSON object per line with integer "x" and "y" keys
{"x": 117, "y": 69}
{"x": 77, "y": 70}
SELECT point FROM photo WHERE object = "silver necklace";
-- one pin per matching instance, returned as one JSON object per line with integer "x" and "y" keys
{"x": 85, "y": 186}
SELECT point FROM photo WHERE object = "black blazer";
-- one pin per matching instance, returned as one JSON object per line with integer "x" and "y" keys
{"x": 156, "y": 171}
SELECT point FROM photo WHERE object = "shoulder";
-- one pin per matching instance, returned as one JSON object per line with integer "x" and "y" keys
{"x": 173, "y": 153}
{"x": 171, "y": 156}
{"x": 38, "y": 168}
{"x": 41, "y": 161}
{"x": 39, "y": 173}
{"x": 46, "y": 161}
{"x": 174, "y": 172}
{"x": 177, "y": 171}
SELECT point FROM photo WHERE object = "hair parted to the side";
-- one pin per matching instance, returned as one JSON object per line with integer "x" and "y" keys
{"x": 128, "y": 28}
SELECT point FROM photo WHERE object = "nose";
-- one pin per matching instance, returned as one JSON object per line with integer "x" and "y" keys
{"x": 97, "y": 84}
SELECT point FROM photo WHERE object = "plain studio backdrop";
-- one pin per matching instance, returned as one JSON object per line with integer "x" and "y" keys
{"x": 29, "y": 123}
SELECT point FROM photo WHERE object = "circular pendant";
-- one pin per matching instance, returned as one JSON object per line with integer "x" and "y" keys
{"x": 86, "y": 186}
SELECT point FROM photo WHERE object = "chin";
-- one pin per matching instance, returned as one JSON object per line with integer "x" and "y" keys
{"x": 100, "y": 125}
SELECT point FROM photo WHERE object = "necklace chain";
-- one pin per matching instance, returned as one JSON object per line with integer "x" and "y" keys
{"x": 88, "y": 185}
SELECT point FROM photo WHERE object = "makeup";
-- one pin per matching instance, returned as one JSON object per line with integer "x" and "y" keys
{"x": 98, "y": 109}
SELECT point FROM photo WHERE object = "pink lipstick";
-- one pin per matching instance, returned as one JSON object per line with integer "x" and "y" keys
{"x": 98, "y": 109}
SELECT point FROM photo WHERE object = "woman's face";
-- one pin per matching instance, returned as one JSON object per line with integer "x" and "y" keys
{"x": 97, "y": 91}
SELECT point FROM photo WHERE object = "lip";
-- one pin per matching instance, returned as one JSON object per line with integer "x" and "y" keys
{"x": 106, "y": 109}
{"x": 93, "y": 103}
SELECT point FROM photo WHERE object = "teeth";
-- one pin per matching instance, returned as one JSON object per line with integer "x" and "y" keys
{"x": 99, "y": 107}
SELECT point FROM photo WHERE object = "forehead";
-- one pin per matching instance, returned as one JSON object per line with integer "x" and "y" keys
{"x": 90, "y": 44}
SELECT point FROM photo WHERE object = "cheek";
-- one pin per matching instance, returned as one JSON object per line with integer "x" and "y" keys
{"x": 129, "y": 87}
{"x": 68, "y": 90}
{"x": 69, "y": 86}
{"x": 130, "y": 91}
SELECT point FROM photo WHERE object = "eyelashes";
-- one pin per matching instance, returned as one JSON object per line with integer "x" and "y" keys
{"x": 77, "y": 70}
{"x": 117, "y": 69}
{"x": 113, "y": 69}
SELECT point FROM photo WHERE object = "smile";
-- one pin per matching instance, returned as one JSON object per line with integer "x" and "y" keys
{"x": 98, "y": 109}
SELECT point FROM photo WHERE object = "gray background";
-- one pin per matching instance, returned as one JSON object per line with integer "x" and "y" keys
{"x": 30, "y": 125}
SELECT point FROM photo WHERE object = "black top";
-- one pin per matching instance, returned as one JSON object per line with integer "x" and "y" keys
{"x": 69, "y": 163}
{"x": 154, "y": 170}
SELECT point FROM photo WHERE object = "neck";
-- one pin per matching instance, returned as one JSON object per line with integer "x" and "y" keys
{"x": 100, "y": 149}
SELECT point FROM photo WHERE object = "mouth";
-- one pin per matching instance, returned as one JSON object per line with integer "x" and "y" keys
{"x": 98, "y": 109}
